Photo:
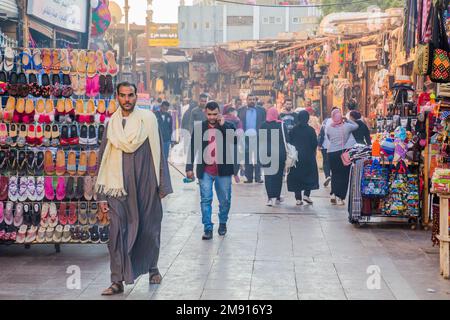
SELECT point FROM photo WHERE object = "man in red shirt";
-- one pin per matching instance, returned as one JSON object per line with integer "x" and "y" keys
{"x": 215, "y": 165}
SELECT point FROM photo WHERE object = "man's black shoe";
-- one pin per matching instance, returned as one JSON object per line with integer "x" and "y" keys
{"x": 208, "y": 235}
{"x": 260, "y": 181}
{"x": 222, "y": 229}
{"x": 248, "y": 181}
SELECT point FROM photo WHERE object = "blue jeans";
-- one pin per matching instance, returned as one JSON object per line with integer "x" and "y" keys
{"x": 223, "y": 190}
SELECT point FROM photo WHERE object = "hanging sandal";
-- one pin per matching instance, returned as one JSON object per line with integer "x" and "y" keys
{"x": 37, "y": 60}
{"x": 74, "y": 62}
{"x": 91, "y": 64}
{"x": 65, "y": 62}
{"x": 72, "y": 163}
{"x": 60, "y": 163}
{"x": 47, "y": 60}
{"x": 112, "y": 64}
{"x": 82, "y": 164}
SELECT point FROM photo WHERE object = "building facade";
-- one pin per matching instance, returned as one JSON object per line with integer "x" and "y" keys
{"x": 204, "y": 26}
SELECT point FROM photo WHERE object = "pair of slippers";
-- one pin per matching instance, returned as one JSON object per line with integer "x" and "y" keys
{"x": 99, "y": 85}
{"x": 18, "y": 85}
{"x": 56, "y": 60}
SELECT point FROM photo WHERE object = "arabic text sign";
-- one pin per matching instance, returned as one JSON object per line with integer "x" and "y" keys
{"x": 163, "y": 35}
{"x": 67, "y": 14}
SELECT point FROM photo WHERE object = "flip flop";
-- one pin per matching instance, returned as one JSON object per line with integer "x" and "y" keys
{"x": 9, "y": 59}
{"x": 49, "y": 191}
{"x": 75, "y": 78}
{"x": 47, "y": 60}
{"x": 60, "y": 163}
{"x": 80, "y": 188}
{"x": 91, "y": 64}
{"x": 61, "y": 189}
{"x": 37, "y": 60}
{"x": 82, "y": 216}
{"x": 49, "y": 164}
{"x": 67, "y": 91}
{"x": 112, "y": 107}
{"x": 56, "y": 63}
{"x": 82, "y": 85}
{"x": 72, "y": 163}
{"x": 26, "y": 60}
{"x": 88, "y": 187}
{"x": 81, "y": 64}
{"x": 93, "y": 210}
{"x": 65, "y": 62}
{"x": 92, "y": 163}
{"x": 112, "y": 64}
{"x": 62, "y": 216}
{"x": 40, "y": 189}
{"x": 41, "y": 235}
{"x": 53, "y": 215}
{"x": 66, "y": 232}
{"x": 102, "y": 68}
{"x": 82, "y": 164}
{"x": 55, "y": 135}
{"x": 74, "y": 62}
{"x": 39, "y": 165}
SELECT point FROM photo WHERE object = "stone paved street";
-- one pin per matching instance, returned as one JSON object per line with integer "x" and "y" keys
{"x": 285, "y": 252}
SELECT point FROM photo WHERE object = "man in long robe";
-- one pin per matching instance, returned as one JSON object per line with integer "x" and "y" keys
{"x": 133, "y": 179}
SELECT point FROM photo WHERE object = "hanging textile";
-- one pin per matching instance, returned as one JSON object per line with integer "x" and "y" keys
{"x": 229, "y": 61}
{"x": 355, "y": 205}
{"x": 410, "y": 25}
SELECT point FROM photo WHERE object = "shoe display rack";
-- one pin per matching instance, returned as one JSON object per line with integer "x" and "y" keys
{"x": 55, "y": 104}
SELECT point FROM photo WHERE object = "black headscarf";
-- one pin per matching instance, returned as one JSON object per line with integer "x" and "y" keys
{"x": 303, "y": 118}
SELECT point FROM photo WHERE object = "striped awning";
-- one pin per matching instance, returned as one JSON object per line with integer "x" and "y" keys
{"x": 9, "y": 10}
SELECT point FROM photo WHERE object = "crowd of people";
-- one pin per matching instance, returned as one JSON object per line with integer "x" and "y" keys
{"x": 133, "y": 175}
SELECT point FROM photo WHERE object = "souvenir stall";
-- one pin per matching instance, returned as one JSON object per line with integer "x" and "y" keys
{"x": 55, "y": 103}
{"x": 387, "y": 180}
{"x": 300, "y": 70}
{"x": 262, "y": 75}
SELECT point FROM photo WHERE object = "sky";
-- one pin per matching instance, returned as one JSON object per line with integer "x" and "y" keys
{"x": 164, "y": 11}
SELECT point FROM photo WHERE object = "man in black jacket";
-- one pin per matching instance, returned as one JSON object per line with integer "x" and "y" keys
{"x": 165, "y": 123}
{"x": 252, "y": 118}
{"x": 215, "y": 165}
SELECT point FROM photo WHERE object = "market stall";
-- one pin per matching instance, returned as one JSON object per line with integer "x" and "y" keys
{"x": 55, "y": 103}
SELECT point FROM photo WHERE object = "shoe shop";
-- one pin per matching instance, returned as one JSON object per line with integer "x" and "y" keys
{"x": 55, "y": 104}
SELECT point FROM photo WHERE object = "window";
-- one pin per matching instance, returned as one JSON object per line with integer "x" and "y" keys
{"x": 296, "y": 20}
{"x": 272, "y": 20}
{"x": 195, "y": 25}
{"x": 236, "y": 21}
{"x": 207, "y": 25}
{"x": 265, "y": 20}
{"x": 278, "y": 20}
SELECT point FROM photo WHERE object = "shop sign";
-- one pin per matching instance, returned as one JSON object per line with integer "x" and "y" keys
{"x": 67, "y": 14}
{"x": 163, "y": 35}
{"x": 368, "y": 53}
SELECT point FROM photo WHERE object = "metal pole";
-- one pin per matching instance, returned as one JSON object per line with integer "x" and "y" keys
{"x": 127, "y": 8}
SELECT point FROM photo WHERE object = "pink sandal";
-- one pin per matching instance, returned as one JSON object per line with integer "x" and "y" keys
{"x": 49, "y": 191}
{"x": 61, "y": 189}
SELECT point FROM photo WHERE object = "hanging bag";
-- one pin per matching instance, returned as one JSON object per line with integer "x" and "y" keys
{"x": 291, "y": 152}
{"x": 422, "y": 62}
{"x": 440, "y": 68}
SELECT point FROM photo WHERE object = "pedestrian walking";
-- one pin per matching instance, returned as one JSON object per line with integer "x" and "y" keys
{"x": 274, "y": 182}
{"x": 362, "y": 134}
{"x": 213, "y": 166}
{"x": 288, "y": 116}
{"x": 133, "y": 178}
{"x": 198, "y": 113}
{"x": 304, "y": 178}
{"x": 252, "y": 118}
{"x": 165, "y": 123}
{"x": 230, "y": 115}
{"x": 339, "y": 135}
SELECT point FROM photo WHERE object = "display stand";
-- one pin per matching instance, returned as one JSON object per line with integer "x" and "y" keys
{"x": 444, "y": 238}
